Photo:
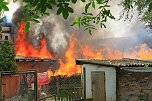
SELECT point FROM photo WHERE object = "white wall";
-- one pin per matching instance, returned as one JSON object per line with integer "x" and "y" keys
{"x": 110, "y": 80}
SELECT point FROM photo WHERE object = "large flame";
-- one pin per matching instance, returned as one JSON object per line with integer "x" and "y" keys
{"x": 68, "y": 66}
{"x": 90, "y": 53}
{"x": 25, "y": 48}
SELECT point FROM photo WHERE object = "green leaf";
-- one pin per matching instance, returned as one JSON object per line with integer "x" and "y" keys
{"x": 77, "y": 21}
{"x": 35, "y": 2}
{"x": 150, "y": 7}
{"x": 43, "y": 1}
{"x": 35, "y": 16}
{"x": 3, "y": 3}
{"x": 74, "y": 1}
{"x": 35, "y": 20}
{"x": 111, "y": 16}
{"x": 90, "y": 32}
{"x": 52, "y": 1}
{"x": 91, "y": 27}
{"x": 5, "y": 8}
{"x": 101, "y": 24}
{"x": 83, "y": 0}
{"x": 100, "y": 1}
{"x": 89, "y": 14}
{"x": 59, "y": 5}
{"x": 106, "y": 12}
{"x": 93, "y": 5}
{"x": 48, "y": 5}
{"x": 64, "y": 10}
{"x": 87, "y": 6}
{"x": 128, "y": 1}
{"x": 70, "y": 9}
{"x": 65, "y": 14}
{"x": 43, "y": 9}
{"x": 148, "y": 1}
{"x": 104, "y": 25}
{"x": 27, "y": 26}
{"x": 100, "y": 7}
{"x": 59, "y": 11}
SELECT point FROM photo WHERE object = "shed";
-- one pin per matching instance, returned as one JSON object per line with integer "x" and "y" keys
{"x": 117, "y": 80}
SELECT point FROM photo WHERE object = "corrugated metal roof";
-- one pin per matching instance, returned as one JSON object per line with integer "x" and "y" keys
{"x": 20, "y": 58}
{"x": 125, "y": 62}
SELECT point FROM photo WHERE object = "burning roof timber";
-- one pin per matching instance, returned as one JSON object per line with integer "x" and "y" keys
{"x": 125, "y": 62}
{"x": 34, "y": 59}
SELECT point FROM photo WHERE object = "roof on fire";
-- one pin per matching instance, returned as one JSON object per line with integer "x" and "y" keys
{"x": 125, "y": 62}
{"x": 31, "y": 59}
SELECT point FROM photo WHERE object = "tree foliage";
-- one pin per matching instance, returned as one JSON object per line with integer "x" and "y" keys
{"x": 3, "y": 7}
{"x": 144, "y": 8}
{"x": 7, "y": 56}
{"x": 38, "y": 8}
{"x": 35, "y": 9}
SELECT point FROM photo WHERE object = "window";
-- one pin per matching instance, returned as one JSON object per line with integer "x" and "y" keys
{"x": 6, "y": 38}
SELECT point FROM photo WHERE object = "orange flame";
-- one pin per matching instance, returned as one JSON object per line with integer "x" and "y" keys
{"x": 87, "y": 52}
{"x": 49, "y": 73}
{"x": 68, "y": 66}
{"x": 25, "y": 48}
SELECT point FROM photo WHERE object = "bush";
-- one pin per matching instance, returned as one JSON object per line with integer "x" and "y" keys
{"x": 7, "y": 56}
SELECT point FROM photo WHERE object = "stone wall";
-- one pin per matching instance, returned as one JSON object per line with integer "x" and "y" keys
{"x": 133, "y": 86}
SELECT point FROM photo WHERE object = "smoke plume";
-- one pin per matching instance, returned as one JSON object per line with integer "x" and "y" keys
{"x": 118, "y": 34}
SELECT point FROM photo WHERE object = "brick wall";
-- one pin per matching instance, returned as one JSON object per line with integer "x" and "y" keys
{"x": 133, "y": 86}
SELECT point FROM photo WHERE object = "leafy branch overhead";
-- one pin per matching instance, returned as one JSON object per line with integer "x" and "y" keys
{"x": 89, "y": 21}
{"x": 144, "y": 8}
{"x": 3, "y": 7}
{"x": 38, "y": 8}
{"x": 35, "y": 9}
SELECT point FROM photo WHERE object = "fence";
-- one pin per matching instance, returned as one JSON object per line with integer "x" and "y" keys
{"x": 22, "y": 86}
{"x": 18, "y": 86}
{"x": 62, "y": 88}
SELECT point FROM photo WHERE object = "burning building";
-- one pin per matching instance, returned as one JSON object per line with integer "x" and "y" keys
{"x": 52, "y": 45}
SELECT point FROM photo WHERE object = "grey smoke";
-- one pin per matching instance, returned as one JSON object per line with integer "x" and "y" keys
{"x": 54, "y": 30}
{"x": 118, "y": 34}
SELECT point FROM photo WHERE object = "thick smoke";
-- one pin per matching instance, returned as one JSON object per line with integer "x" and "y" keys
{"x": 118, "y": 34}
{"x": 52, "y": 28}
